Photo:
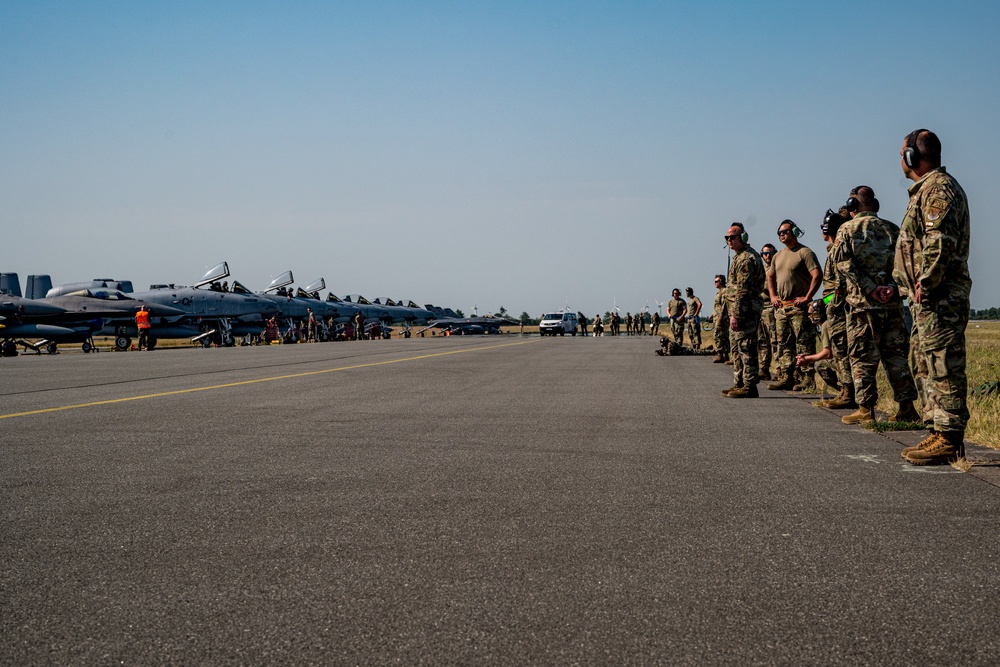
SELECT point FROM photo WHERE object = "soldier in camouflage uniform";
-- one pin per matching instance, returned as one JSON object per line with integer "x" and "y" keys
{"x": 743, "y": 296}
{"x": 768, "y": 335}
{"x": 694, "y": 319}
{"x": 720, "y": 315}
{"x": 864, "y": 254}
{"x": 676, "y": 310}
{"x": 835, "y": 306}
{"x": 795, "y": 278}
{"x": 823, "y": 359}
{"x": 654, "y": 325}
{"x": 932, "y": 268}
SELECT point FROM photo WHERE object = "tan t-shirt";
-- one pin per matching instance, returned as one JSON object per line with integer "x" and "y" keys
{"x": 791, "y": 271}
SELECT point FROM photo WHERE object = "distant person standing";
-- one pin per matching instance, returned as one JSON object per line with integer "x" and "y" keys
{"x": 720, "y": 315}
{"x": 743, "y": 296}
{"x": 932, "y": 268}
{"x": 639, "y": 324}
{"x": 796, "y": 277}
{"x": 694, "y": 319}
{"x": 767, "y": 336}
{"x": 654, "y": 325}
{"x": 876, "y": 332}
{"x": 835, "y": 302}
{"x": 676, "y": 311}
{"x": 311, "y": 327}
{"x": 142, "y": 324}
{"x": 359, "y": 326}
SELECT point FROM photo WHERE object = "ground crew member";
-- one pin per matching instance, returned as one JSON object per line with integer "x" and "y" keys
{"x": 694, "y": 319}
{"x": 767, "y": 336}
{"x": 654, "y": 325}
{"x": 743, "y": 296}
{"x": 835, "y": 306}
{"x": 823, "y": 359}
{"x": 795, "y": 278}
{"x": 864, "y": 252}
{"x": 932, "y": 266}
{"x": 676, "y": 310}
{"x": 720, "y": 315}
{"x": 359, "y": 326}
{"x": 142, "y": 324}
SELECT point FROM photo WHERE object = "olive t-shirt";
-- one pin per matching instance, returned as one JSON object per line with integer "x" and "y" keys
{"x": 791, "y": 271}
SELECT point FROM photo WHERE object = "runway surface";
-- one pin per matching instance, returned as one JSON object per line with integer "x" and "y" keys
{"x": 469, "y": 500}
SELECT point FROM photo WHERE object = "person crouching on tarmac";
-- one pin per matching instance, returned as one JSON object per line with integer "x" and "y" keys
{"x": 823, "y": 360}
{"x": 743, "y": 294}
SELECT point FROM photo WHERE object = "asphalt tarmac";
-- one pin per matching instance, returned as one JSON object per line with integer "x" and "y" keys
{"x": 469, "y": 500}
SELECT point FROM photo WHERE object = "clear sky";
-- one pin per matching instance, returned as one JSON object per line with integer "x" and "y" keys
{"x": 466, "y": 153}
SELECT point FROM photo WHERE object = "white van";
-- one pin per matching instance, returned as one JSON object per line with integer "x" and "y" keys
{"x": 558, "y": 323}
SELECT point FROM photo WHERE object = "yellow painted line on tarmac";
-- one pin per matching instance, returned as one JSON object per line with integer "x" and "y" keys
{"x": 246, "y": 382}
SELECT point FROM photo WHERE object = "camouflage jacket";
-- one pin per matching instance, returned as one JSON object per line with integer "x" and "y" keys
{"x": 933, "y": 246}
{"x": 719, "y": 309}
{"x": 833, "y": 282}
{"x": 746, "y": 282}
{"x": 864, "y": 253}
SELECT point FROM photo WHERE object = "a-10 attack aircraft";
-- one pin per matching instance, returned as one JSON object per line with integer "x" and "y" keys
{"x": 203, "y": 312}
{"x": 68, "y": 316}
{"x": 449, "y": 321}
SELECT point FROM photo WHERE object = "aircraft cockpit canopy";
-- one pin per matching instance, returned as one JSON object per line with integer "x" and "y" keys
{"x": 105, "y": 294}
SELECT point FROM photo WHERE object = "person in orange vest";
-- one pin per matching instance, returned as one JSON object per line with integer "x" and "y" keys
{"x": 142, "y": 323}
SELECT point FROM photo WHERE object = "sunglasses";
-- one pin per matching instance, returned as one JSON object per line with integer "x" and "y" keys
{"x": 782, "y": 232}
{"x": 731, "y": 237}
{"x": 766, "y": 253}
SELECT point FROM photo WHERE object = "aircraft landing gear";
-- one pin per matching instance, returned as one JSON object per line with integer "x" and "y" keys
{"x": 122, "y": 342}
{"x": 52, "y": 348}
{"x": 8, "y": 349}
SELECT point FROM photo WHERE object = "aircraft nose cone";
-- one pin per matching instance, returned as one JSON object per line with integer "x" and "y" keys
{"x": 37, "y": 309}
{"x": 159, "y": 310}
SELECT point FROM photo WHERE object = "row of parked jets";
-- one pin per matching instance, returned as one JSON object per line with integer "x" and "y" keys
{"x": 205, "y": 312}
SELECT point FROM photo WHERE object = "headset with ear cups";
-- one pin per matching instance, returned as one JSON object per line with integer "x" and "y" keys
{"x": 852, "y": 204}
{"x": 744, "y": 237}
{"x": 911, "y": 154}
{"x": 796, "y": 232}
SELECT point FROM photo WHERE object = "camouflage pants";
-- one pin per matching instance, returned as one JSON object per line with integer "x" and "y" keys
{"x": 722, "y": 334}
{"x": 743, "y": 351}
{"x": 694, "y": 332}
{"x": 764, "y": 339}
{"x": 829, "y": 371}
{"x": 796, "y": 335}
{"x": 677, "y": 329}
{"x": 873, "y": 336}
{"x": 940, "y": 373}
{"x": 837, "y": 317}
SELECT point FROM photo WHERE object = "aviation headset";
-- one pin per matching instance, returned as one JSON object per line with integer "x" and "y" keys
{"x": 796, "y": 232}
{"x": 911, "y": 154}
{"x": 852, "y": 204}
{"x": 831, "y": 222}
{"x": 744, "y": 236}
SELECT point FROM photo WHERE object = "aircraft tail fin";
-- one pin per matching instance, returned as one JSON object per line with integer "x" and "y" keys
{"x": 10, "y": 284}
{"x": 38, "y": 286}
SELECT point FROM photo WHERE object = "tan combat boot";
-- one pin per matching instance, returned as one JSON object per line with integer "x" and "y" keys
{"x": 725, "y": 392}
{"x": 719, "y": 359}
{"x": 784, "y": 382}
{"x": 948, "y": 447}
{"x": 906, "y": 413}
{"x": 861, "y": 416}
{"x": 839, "y": 396}
{"x": 806, "y": 383}
{"x": 932, "y": 435}
{"x": 744, "y": 392}
{"x": 845, "y": 401}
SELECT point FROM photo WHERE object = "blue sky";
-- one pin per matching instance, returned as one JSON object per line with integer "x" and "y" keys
{"x": 523, "y": 155}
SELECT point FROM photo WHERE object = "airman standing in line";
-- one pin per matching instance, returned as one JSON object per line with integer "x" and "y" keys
{"x": 720, "y": 315}
{"x": 694, "y": 319}
{"x": 676, "y": 310}
{"x": 793, "y": 282}
{"x": 932, "y": 266}
{"x": 743, "y": 294}
{"x": 835, "y": 302}
{"x": 628, "y": 324}
{"x": 639, "y": 324}
{"x": 654, "y": 325}
{"x": 768, "y": 337}
{"x": 864, "y": 252}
